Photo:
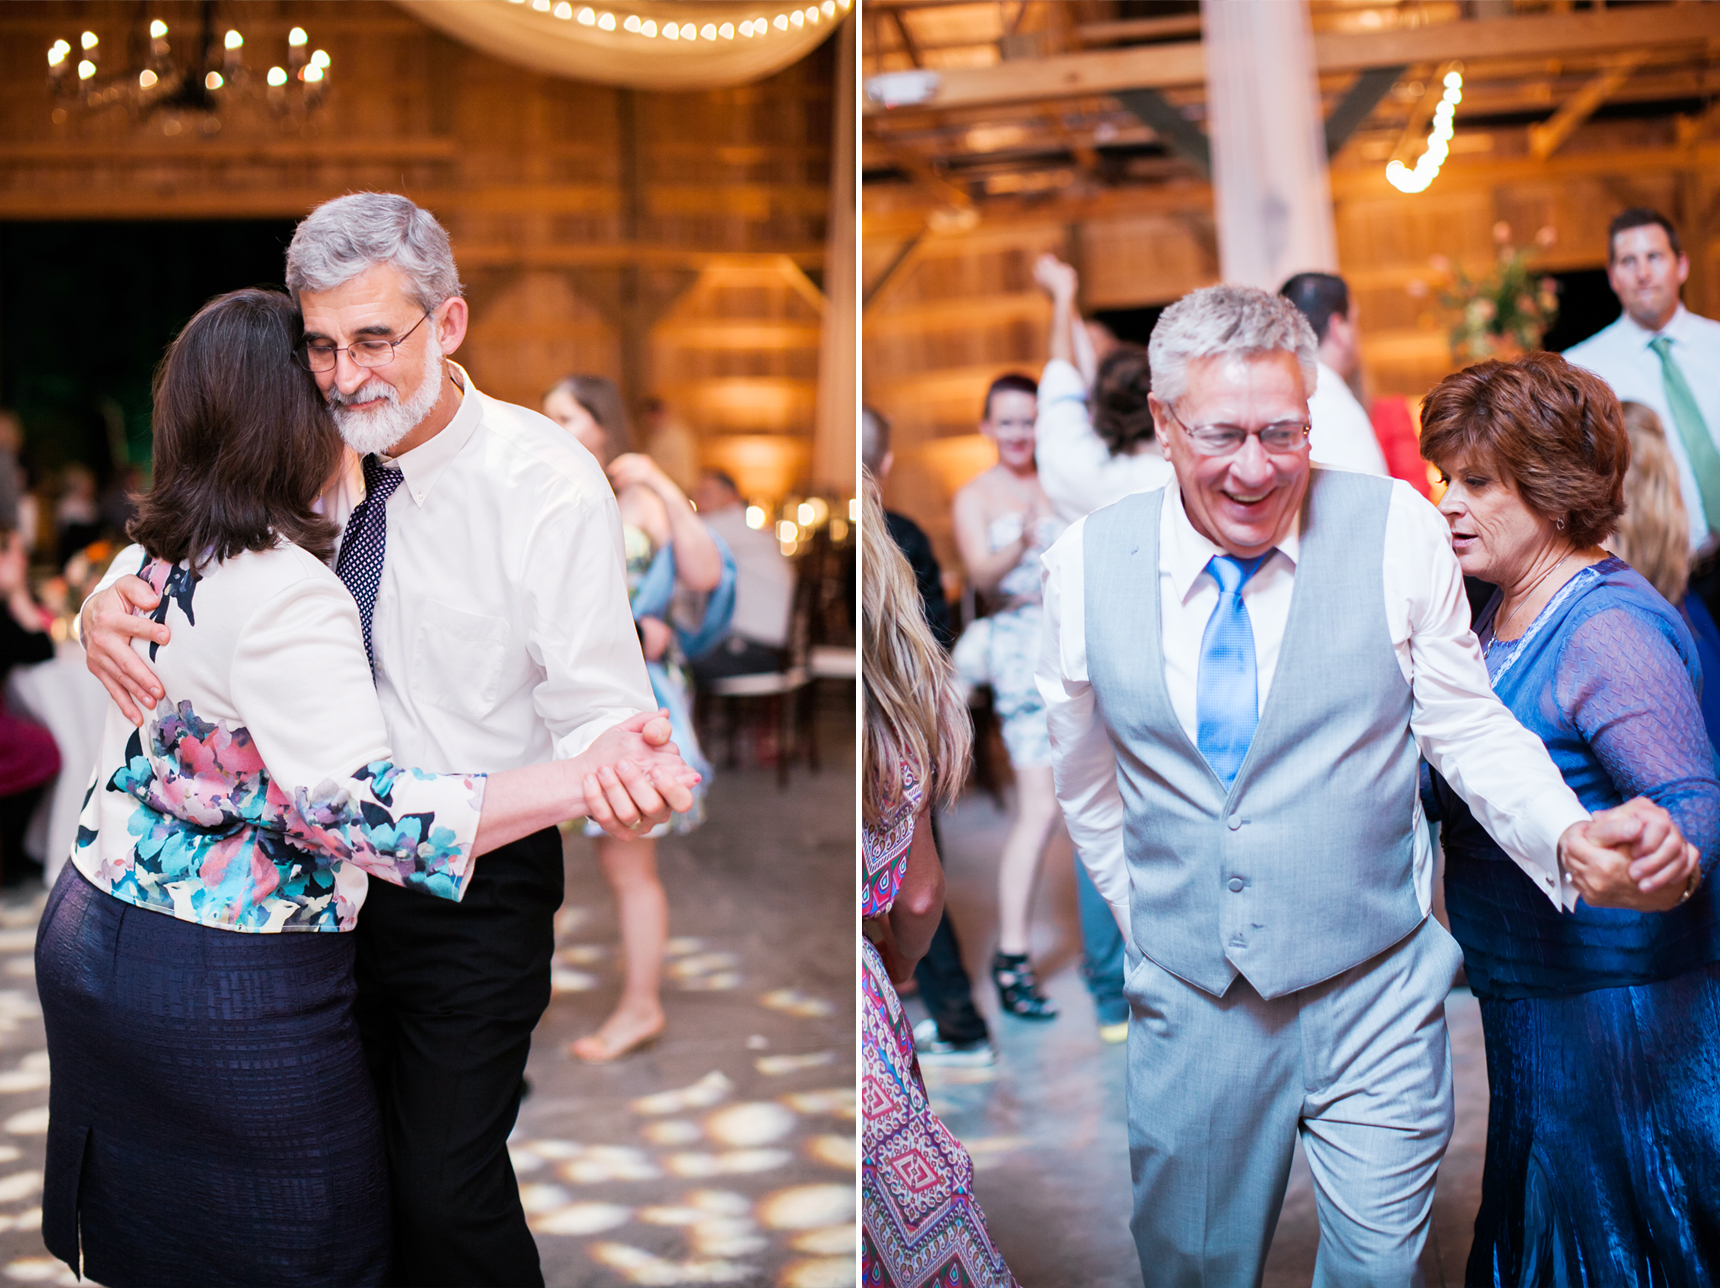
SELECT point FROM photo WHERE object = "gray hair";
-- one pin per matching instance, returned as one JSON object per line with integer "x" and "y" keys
{"x": 1223, "y": 320}
{"x": 342, "y": 238}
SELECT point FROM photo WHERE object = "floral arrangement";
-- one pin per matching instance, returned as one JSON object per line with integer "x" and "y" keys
{"x": 1504, "y": 314}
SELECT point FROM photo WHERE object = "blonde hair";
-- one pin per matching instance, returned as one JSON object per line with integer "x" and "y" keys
{"x": 913, "y": 714}
{"x": 1653, "y": 536}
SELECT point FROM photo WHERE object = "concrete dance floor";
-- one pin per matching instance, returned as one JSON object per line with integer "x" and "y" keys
{"x": 1046, "y": 1124}
{"x": 723, "y": 1154}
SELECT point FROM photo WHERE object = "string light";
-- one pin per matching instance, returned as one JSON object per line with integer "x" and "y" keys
{"x": 1439, "y": 138}
{"x": 634, "y": 24}
{"x": 157, "y": 29}
{"x": 297, "y": 39}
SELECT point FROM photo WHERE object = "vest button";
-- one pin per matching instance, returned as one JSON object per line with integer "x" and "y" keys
{"x": 1235, "y": 821}
{"x": 1236, "y": 884}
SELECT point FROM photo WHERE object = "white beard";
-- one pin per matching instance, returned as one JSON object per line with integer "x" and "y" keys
{"x": 380, "y": 428}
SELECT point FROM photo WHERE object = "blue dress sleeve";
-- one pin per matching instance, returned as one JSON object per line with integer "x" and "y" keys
{"x": 1628, "y": 692}
{"x": 719, "y": 610}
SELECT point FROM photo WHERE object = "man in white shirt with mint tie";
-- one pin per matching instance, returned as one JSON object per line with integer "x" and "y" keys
{"x": 1660, "y": 354}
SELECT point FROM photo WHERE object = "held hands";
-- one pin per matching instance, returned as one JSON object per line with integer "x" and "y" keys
{"x": 635, "y": 777}
{"x": 1055, "y": 278}
{"x": 111, "y": 621}
{"x": 1630, "y": 857}
{"x": 635, "y": 469}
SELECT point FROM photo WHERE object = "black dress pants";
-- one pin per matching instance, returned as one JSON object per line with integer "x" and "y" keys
{"x": 448, "y": 995}
{"x": 943, "y": 980}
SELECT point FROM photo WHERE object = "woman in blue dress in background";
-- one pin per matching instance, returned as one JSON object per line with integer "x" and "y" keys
{"x": 681, "y": 585}
{"x": 1601, "y": 1023}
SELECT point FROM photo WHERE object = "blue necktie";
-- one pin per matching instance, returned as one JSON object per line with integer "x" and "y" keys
{"x": 1227, "y": 706}
{"x": 362, "y": 546}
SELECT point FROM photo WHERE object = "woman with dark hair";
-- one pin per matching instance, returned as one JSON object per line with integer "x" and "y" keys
{"x": 211, "y": 1119}
{"x": 1603, "y": 1136}
{"x": 669, "y": 550}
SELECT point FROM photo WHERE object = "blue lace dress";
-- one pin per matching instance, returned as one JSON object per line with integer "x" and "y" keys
{"x": 1602, "y": 1025}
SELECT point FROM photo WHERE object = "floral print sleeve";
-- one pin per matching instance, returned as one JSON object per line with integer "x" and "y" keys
{"x": 232, "y": 824}
{"x": 217, "y": 841}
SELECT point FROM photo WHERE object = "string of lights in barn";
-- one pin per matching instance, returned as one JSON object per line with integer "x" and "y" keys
{"x": 648, "y": 28}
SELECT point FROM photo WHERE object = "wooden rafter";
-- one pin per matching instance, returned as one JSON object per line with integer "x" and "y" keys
{"x": 1545, "y": 137}
{"x": 1183, "y": 63}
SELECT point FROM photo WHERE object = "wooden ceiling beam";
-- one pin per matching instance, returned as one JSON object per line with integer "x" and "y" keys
{"x": 1545, "y": 137}
{"x": 1107, "y": 71}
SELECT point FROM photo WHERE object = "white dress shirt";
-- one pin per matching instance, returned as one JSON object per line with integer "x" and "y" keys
{"x": 1076, "y": 468}
{"x": 1619, "y": 354}
{"x": 1501, "y": 769}
{"x": 502, "y": 631}
{"x": 764, "y": 578}
{"x": 1342, "y": 436}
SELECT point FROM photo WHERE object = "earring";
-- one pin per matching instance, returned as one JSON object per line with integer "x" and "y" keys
{"x": 1559, "y": 524}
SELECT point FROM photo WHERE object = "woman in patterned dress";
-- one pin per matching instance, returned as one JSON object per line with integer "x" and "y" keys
{"x": 671, "y": 556}
{"x": 920, "y": 1222}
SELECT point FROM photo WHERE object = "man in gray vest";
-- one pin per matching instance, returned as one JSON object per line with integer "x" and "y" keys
{"x": 1241, "y": 670}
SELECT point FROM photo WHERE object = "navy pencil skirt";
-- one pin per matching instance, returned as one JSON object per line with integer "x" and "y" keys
{"x": 211, "y": 1119}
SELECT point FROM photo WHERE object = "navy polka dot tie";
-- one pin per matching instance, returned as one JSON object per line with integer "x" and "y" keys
{"x": 363, "y": 545}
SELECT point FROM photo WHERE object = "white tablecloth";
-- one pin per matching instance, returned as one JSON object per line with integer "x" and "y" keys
{"x": 71, "y": 703}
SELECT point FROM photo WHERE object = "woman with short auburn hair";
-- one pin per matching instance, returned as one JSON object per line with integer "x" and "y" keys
{"x": 1603, "y": 1136}
{"x": 212, "y": 1119}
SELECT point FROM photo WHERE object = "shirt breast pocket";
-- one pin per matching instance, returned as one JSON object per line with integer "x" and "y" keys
{"x": 458, "y": 658}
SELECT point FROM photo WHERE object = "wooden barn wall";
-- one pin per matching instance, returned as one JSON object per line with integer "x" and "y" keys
{"x": 961, "y": 307}
{"x": 670, "y": 241}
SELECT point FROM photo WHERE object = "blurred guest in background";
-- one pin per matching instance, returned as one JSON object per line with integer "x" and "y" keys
{"x": 916, "y": 739}
{"x": 1667, "y": 358}
{"x": 1094, "y": 432}
{"x": 77, "y": 519}
{"x": 28, "y": 757}
{"x": 11, "y": 472}
{"x": 764, "y": 586}
{"x": 954, "y": 1033}
{"x": 1601, "y": 1013}
{"x": 668, "y": 550}
{"x": 1342, "y": 437}
{"x": 1653, "y": 537}
{"x": 1003, "y": 521}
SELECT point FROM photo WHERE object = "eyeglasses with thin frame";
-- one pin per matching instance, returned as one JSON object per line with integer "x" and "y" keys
{"x": 1277, "y": 438}
{"x": 375, "y": 352}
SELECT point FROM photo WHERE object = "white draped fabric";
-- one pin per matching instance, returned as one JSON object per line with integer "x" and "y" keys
{"x": 1273, "y": 196}
{"x": 553, "y": 38}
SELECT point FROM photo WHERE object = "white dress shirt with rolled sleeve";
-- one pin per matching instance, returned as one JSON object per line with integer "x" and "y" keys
{"x": 1501, "y": 769}
{"x": 1341, "y": 437}
{"x": 502, "y": 630}
{"x": 1076, "y": 468}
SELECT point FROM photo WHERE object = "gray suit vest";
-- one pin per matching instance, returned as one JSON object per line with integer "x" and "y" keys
{"x": 1304, "y": 867}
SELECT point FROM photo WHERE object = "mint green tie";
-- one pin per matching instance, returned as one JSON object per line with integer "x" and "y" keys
{"x": 1692, "y": 432}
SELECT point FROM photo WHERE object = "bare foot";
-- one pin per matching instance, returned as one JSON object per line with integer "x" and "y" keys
{"x": 622, "y": 1033}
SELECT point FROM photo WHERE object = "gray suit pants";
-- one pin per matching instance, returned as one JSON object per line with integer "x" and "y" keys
{"x": 1219, "y": 1087}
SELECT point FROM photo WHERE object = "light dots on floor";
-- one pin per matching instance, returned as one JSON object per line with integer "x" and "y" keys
{"x": 751, "y": 1123}
{"x": 776, "y": 1065}
{"x": 839, "y": 1152}
{"x": 30, "y": 1075}
{"x": 709, "y": 1090}
{"x": 28, "y": 1122}
{"x": 791, "y": 1001}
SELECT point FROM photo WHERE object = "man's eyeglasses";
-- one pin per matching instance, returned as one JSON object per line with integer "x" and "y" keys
{"x": 1221, "y": 440}
{"x": 320, "y": 355}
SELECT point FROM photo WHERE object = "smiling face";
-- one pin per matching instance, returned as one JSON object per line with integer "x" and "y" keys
{"x": 378, "y": 407}
{"x": 1645, "y": 273}
{"x": 1496, "y": 536}
{"x": 1009, "y": 423}
{"x": 1246, "y": 500}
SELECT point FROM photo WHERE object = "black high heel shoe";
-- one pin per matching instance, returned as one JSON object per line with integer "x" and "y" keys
{"x": 1018, "y": 987}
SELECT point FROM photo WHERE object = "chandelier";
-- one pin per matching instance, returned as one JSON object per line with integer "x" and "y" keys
{"x": 193, "y": 89}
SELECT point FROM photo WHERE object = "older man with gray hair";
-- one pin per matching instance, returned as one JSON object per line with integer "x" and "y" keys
{"x": 483, "y": 546}
{"x": 1241, "y": 670}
